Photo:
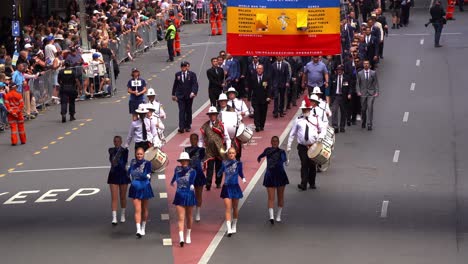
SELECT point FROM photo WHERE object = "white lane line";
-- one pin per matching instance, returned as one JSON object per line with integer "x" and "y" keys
{"x": 222, "y": 230}
{"x": 421, "y": 41}
{"x": 61, "y": 169}
{"x": 405, "y": 117}
{"x": 383, "y": 212}
{"x": 164, "y": 217}
{"x": 3, "y": 193}
{"x": 396, "y": 156}
{"x": 418, "y": 62}
{"x": 452, "y": 33}
{"x": 413, "y": 86}
{"x": 167, "y": 242}
{"x": 416, "y": 34}
{"x": 163, "y": 195}
{"x": 161, "y": 176}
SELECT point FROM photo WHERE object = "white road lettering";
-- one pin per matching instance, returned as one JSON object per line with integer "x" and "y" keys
{"x": 413, "y": 86}
{"x": 383, "y": 212}
{"x": 20, "y": 195}
{"x": 51, "y": 193}
{"x": 3, "y": 193}
{"x": 83, "y": 192}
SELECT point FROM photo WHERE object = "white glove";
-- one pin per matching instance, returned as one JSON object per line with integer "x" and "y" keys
{"x": 244, "y": 180}
{"x": 192, "y": 187}
{"x": 192, "y": 95}
{"x": 288, "y": 149}
{"x": 125, "y": 145}
{"x": 148, "y": 176}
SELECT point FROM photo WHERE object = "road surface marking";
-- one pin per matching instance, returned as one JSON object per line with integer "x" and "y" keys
{"x": 123, "y": 97}
{"x": 4, "y": 192}
{"x": 154, "y": 76}
{"x": 163, "y": 70}
{"x": 167, "y": 67}
{"x": 37, "y": 153}
{"x": 222, "y": 230}
{"x": 396, "y": 156}
{"x": 416, "y": 34}
{"x": 11, "y": 169}
{"x": 383, "y": 212}
{"x": 421, "y": 41}
{"x": 75, "y": 128}
{"x": 45, "y": 147}
{"x": 413, "y": 86}
{"x": 185, "y": 143}
{"x": 61, "y": 169}
{"x": 82, "y": 124}
{"x": 150, "y": 79}
{"x": 2, "y": 175}
{"x": 164, "y": 217}
{"x": 161, "y": 176}
{"x": 405, "y": 117}
{"x": 67, "y": 133}
{"x": 53, "y": 142}
{"x": 163, "y": 195}
{"x": 89, "y": 120}
{"x": 452, "y": 33}
{"x": 59, "y": 138}
{"x": 418, "y": 62}
{"x": 167, "y": 242}
{"x": 20, "y": 164}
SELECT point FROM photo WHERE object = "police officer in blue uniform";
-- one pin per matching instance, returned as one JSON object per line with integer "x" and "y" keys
{"x": 185, "y": 88}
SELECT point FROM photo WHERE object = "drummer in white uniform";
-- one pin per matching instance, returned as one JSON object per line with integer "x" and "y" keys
{"x": 159, "y": 110}
{"x": 156, "y": 127}
{"x": 305, "y": 130}
{"x": 323, "y": 104}
{"x": 239, "y": 105}
{"x": 319, "y": 115}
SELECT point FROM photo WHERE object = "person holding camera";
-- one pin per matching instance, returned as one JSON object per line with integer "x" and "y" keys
{"x": 438, "y": 20}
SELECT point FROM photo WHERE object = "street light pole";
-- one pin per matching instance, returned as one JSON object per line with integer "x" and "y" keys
{"x": 83, "y": 30}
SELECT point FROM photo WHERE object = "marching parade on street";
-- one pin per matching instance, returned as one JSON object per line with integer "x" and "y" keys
{"x": 278, "y": 113}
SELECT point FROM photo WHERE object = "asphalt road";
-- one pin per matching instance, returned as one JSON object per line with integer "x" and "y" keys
{"x": 424, "y": 184}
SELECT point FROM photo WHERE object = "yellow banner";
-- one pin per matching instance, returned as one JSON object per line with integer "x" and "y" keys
{"x": 273, "y": 21}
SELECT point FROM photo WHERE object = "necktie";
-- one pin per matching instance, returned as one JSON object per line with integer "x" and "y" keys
{"x": 279, "y": 66}
{"x": 338, "y": 91}
{"x": 143, "y": 127}
{"x": 216, "y": 70}
{"x": 183, "y": 77}
{"x": 367, "y": 39}
{"x": 306, "y": 136}
{"x": 259, "y": 79}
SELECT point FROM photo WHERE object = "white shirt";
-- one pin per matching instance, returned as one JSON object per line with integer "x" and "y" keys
{"x": 155, "y": 128}
{"x": 319, "y": 115}
{"x": 49, "y": 52}
{"x": 298, "y": 131}
{"x": 136, "y": 133}
{"x": 159, "y": 109}
{"x": 239, "y": 106}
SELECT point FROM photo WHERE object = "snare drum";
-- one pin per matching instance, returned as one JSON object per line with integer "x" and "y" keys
{"x": 229, "y": 120}
{"x": 244, "y": 133}
{"x": 319, "y": 153}
{"x": 157, "y": 158}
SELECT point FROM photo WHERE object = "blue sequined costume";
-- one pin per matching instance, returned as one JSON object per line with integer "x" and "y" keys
{"x": 197, "y": 155}
{"x": 232, "y": 170}
{"x": 275, "y": 175}
{"x": 118, "y": 158}
{"x": 140, "y": 187}
{"x": 184, "y": 176}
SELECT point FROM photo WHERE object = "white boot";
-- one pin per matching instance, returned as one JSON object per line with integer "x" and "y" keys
{"x": 114, "y": 217}
{"x": 229, "y": 230}
{"x": 272, "y": 215}
{"x": 181, "y": 238}
{"x": 188, "y": 240}
{"x": 278, "y": 214}
{"x": 143, "y": 227}
{"x": 138, "y": 232}
{"x": 234, "y": 226}
{"x": 122, "y": 216}
{"x": 197, "y": 214}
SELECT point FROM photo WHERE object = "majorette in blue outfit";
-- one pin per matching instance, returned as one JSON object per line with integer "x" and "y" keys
{"x": 140, "y": 187}
{"x": 197, "y": 155}
{"x": 275, "y": 175}
{"x": 185, "y": 177}
{"x": 232, "y": 170}
{"x": 118, "y": 157}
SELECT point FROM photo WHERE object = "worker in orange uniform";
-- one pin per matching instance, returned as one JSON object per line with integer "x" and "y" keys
{"x": 216, "y": 16}
{"x": 176, "y": 21}
{"x": 14, "y": 104}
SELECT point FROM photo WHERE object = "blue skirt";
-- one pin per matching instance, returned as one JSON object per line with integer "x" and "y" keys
{"x": 141, "y": 190}
{"x": 118, "y": 176}
{"x": 275, "y": 178}
{"x": 133, "y": 105}
{"x": 185, "y": 198}
{"x": 200, "y": 180}
{"x": 231, "y": 191}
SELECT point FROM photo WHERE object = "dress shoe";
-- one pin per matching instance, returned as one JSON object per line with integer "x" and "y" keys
{"x": 218, "y": 186}
{"x": 257, "y": 129}
{"x": 438, "y": 46}
{"x": 208, "y": 187}
{"x": 181, "y": 243}
{"x": 180, "y": 130}
{"x": 272, "y": 221}
{"x": 282, "y": 115}
{"x": 342, "y": 129}
{"x": 169, "y": 60}
{"x": 288, "y": 107}
{"x": 336, "y": 130}
{"x": 363, "y": 125}
{"x": 313, "y": 187}
{"x": 301, "y": 187}
{"x": 72, "y": 118}
{"x": 178, "y": 54}
{"x": 64, "y": 119}
{"x": 187, "y": 130}
{"x": 348, "y": 123}
{"x": 262, "y": 128}
{"x": 138, "y": 235}
{"x": 275, "y": 115}
{"x": 369, "y": 128}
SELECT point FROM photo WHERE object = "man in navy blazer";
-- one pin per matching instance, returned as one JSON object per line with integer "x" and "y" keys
{"x": 185, "y": 88}
{"x": 280, "y": 78}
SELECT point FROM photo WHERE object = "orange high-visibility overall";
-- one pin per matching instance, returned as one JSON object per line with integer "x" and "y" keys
{"x": 216, "y": 17}
{"x": 14, "y": 104}
{"x": 450, "y": 9}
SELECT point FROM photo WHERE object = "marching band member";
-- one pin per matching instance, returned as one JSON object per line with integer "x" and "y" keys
{"x": 184, "y": 199}
{"x": 239, "y": 105}
{"x": 140, "y": 189}
{"x": 118, "y": 179}
{"x": 223, "y": 104}
{"x": 275, "y": 178}
{"x": 323, "y": 104}
{"x": 157, "y": 105}
{"x": 215, "y": 138}
{"x": 197, "y": 155}
{"x": 231, "y": 192}
{"x": 156, "y": 127}
{"x": 319, "y": 114}
{"x": 139, "y": 130}
{"x": 306, "y": 133}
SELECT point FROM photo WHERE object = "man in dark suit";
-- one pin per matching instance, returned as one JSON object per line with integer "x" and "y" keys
{"x": 347, "y": 34}
{"x": 244, "y": 64}
{"x": 367, "y": 87}
{"x": 339, "y": 94}
{"x": 251, "y": 72}
{"x": 279, "y": 84}
{"x": 260, "y": 86}
{"x": 372, "y": 44}
{"x": 215, "y": 76}
{"x": 185, "y": 88}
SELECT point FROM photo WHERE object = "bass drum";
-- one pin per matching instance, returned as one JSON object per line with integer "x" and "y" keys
{"x": 229, "y": 120}
{"x": 157, "y": 158}
{"x": 319, "y": 153}
{"x": 244, "y": 133}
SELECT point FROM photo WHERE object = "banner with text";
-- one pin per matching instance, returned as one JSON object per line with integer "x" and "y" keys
{"x": 283, "y": 27}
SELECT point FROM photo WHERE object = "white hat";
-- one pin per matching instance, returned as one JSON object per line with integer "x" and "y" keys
{"x": 304, "y": 105}
{"x": 184, "y": 156}
{"x": 104, "y": 17}
{"x": 142, "y": 109}
{"x": 317, "y": 90}
{"x": 315, "y": 98}
{"x": 150, "y": 92}
{"x": 212, "y": 110}
{"x": 28, "y": 46}
{"x": 150, "y": 107}
{"x": 96, "y": 12}
{"x": 222, "y": 97}
{"x": 58, "y": 37}
{"x": 232, "y": 90}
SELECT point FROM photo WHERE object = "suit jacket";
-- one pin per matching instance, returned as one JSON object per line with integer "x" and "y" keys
{"x": 233, "y": 71}
{"x": 345, "y": 86}
{"x": 280, "y": 77}
{"x": 372, "y": 48}
{"x": 367, "y": 87}
{"x": 215, "y": 78}
{"x": 260, "y": 91}
{"x": 347, "y": 36}
{"x": 181, "y": 89}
